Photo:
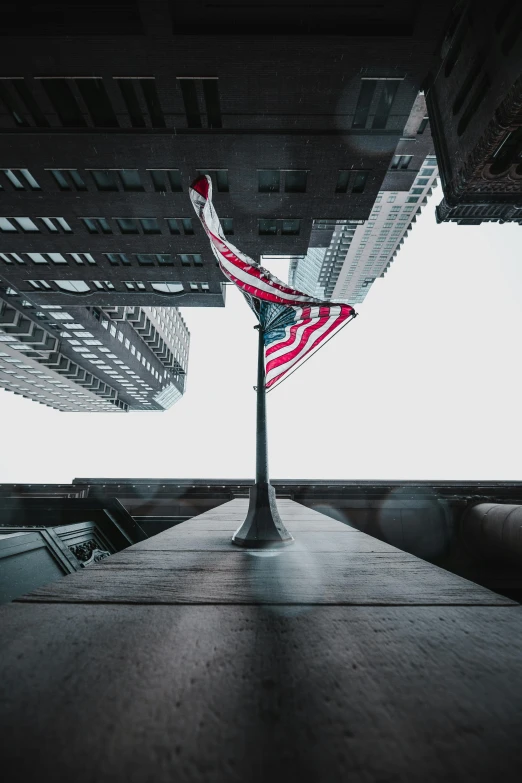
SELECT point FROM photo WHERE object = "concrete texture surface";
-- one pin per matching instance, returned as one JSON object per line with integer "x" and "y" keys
{"x": 102, "y": 682}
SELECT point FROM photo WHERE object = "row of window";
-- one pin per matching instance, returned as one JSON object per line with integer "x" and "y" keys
{"x": 80, "y": 102}
{"x": 169, "y": 180}
{"x": 82, "y": 287}
{"x": 147, "y": 226}
{"x": 115, "y": 259}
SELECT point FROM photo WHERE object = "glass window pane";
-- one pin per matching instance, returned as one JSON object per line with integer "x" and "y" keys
{"x": 268, "y": 181}
{"x": 268, "y": 227}
{"x": 159, "y": 181}
{"x": 6, "y": 225}
{"x": 131, "y": 180}
{"x": 359, "y": 181}
{"x": 187, "y": 226}
{"x": 173, "y": 226}
{"x": 104, "y": 180}
{"x": 104, "y": 225}
{"x": 145, "y": 259}
{"x": 150, "y": 226}
{"x": 222, "y": 181}
{"x": 363, "y": 104}
{"x": 295, "y": 181}
{"x": 90, "y": 225}
{"x": 127, "y": 225}
{"x": 290, "y": 227}
{"x": 227, "y": 225}
{"x": 342, "y": 182}
{"x": 60, "y": 179}
{"x": 78, "y": 181}
{"x": 175, "y": 180}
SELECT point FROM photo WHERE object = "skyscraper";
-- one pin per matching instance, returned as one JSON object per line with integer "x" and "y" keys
{"x": 93, "y": 359}
{"x": 99, "y": 147}
{"x": 345, "y": 256}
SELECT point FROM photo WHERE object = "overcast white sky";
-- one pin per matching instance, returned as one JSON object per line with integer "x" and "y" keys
{"x": 424, "y": 384}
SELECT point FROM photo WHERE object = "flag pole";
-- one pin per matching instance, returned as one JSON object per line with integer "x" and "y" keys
{"x": 263, "y": 527}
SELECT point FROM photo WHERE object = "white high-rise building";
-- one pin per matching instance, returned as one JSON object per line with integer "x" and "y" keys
{"x": 92, "y": 359}
{"x": 376, "y": 243}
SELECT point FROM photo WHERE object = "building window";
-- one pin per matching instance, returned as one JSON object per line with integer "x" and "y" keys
{"x": 165, "y": 259}
{"x": 351, "y": 181}
{"x": 104, "y": 180}
{"x": 295, "y": 181}
{"x": 364, "y": 101}
{"x": 21, "y": 179}
{"x": 127, "y": 225}
{"x": 219, "y": 178}
{"x": 95, "y": 97}
{"x": 131, "y": 180}
{"x": 145, "y": 259}
{"x": 164, "y": 180}
{"x": 267, "y": 227}
{"x": 7, "y": 227}
{"x": 290, "y": 227}
{"x": 208, "y": 89}
{"x": 268, "y": 180}
{"x": 129, "y": 86}
{"x": 191, "y": 259}
{"x": 55, "y": 224}
{"x": 401, "y": 161}
{"x": 422, "y": 126}
{"x": 227, "y": 224}
{"x": 180, "y": 226}
{"x": 67, "y": 179}
{"x": 168, "y": 288}
{"x": 64, "y": 102}
{"x": 74, "y": 286}
{"x": 81, "y": 257}
{"x": 96, "y": 225}
{"x": 389, "y": 91}
{"x": 117, "y": 258}
{"x": 150, "y": 226}
{"x": 39, "y": 284}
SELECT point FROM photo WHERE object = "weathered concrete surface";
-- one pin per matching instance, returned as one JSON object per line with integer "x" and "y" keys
{"x": 94, "y": 688}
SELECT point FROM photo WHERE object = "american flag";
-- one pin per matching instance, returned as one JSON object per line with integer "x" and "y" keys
{"x": 294, "y": 324}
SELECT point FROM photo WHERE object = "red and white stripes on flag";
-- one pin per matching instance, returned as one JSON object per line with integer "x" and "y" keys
{"x": 295, "y": 325}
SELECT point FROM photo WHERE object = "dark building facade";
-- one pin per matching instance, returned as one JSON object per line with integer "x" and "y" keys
{"x": 475, "y": 110}
{"x": 45, "y": 538}
{"x": 108, "y": 112}
{"x": 93, "y": 359}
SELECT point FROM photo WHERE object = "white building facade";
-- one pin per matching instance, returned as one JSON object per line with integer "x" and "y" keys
{"x": 92, "y": 359}
{"x": 376, "y": 243}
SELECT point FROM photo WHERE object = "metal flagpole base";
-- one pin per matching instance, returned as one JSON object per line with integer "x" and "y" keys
{"x": 263, "y": 527}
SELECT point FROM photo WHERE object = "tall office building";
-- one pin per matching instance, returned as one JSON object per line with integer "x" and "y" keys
{"x": 99, "y": 147}
{"x": 475, "y": 109}
{"x": 375, "y": 244}
{"x": 90, "y": 358}
{"x": 345, "y": 256}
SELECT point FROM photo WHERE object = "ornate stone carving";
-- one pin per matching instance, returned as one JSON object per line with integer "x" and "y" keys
{"x": 508, "y": 116}
{"x": 88, "y": 552}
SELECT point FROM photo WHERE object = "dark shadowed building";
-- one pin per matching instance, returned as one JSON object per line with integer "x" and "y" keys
{"x": 108, "y": 111}
{"x": 475, "y": 110}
